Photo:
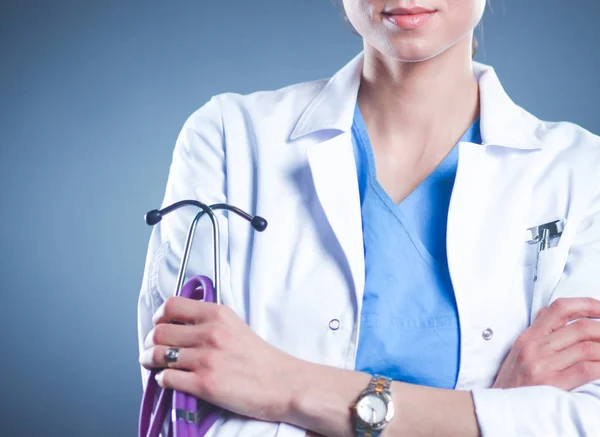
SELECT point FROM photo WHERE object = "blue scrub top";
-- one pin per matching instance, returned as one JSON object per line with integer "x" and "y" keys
{"x": 409, "y": 321}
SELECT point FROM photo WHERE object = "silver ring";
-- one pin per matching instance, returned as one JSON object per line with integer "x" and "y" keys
{"x": 171, "y": 355}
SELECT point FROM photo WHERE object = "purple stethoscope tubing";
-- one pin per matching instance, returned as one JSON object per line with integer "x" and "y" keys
{"x": 182, "y": 407}
{"x": 184, "y": 420}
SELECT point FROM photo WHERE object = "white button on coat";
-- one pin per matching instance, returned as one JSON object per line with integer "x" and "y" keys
{"x": 334, "y": 324}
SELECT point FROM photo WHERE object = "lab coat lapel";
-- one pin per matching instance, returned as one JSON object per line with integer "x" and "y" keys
{"x": 486, "y": 224}
{"x": 333, "y": 169}
{"x": 491, "y": 200}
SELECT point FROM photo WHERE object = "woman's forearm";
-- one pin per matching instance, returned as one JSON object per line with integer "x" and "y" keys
{"x": 321, "y": 400}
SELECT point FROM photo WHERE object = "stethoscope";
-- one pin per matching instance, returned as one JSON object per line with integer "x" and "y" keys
{"x": 186, "y": 419}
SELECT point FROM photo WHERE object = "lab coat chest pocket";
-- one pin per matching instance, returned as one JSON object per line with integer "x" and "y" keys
{"x": 541, "y": 271}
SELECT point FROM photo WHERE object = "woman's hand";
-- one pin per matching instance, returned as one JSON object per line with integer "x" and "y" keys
{"x": 550, "y": 352}
{"x": 221, "y": 360}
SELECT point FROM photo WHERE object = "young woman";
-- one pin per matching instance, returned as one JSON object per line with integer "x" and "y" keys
{"x": 429, "y": 245}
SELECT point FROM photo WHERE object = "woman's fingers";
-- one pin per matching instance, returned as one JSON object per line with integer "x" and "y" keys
{"x": 184, "y": 310}
{"x": 582, "y": 330}
{"x": 201, "y": 385}
{"x": 170, "y": 334}
{"x": 193, "y": 341}
{"x": 553, "y": 351}
{"x": 577, "y": 353}
{"x": 540, "y": 312}
{"x": 577, "y": 375}
{"x": 561, "y": 312}
{"x": 176, "y": 379}
{"x": 155, "y": 357}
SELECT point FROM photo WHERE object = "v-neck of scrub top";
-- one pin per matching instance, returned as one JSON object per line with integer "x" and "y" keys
{"x": 409, "y": 320}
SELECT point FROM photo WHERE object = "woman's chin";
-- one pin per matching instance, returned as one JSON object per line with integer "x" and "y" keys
{"x": 412, "y": 54}
{"x": 412, "y": 50}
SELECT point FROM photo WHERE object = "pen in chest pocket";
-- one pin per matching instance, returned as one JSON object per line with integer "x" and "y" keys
{"x": 544, "y": 236}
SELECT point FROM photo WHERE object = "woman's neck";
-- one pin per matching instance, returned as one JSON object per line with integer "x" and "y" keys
{"x": 418, "y": 102}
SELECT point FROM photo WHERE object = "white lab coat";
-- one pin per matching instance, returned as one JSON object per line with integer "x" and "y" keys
{"x": 287, "y": 155}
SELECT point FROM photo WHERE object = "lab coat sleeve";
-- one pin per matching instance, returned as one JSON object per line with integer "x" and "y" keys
{"x": 546, "y": 411}
{"x": 197, "y": 172}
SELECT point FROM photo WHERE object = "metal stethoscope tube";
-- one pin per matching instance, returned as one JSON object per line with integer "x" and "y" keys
{"x": 184, "y": 418}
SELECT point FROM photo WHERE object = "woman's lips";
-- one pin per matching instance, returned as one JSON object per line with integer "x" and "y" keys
{"x": 409, "y": 19}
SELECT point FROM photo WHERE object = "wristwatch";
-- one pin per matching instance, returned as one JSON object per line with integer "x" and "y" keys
{"x": 374, "y": 408}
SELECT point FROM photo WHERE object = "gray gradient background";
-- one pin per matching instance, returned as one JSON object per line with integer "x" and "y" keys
{"x": 92, "y": 96}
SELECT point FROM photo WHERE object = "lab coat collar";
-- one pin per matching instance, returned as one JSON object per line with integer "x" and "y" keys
{"x": 333, "y": 107}
{"x": 502, "y": 122}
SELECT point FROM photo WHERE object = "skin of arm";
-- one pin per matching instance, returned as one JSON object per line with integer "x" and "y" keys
{"x": 323, "y": 398}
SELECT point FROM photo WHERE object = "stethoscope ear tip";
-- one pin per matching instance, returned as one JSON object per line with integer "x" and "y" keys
{"x": 153, "y": 217}
{"x": 259, "y": 223}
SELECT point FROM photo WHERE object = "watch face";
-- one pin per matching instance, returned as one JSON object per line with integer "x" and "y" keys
{"x": 372, "y": 409}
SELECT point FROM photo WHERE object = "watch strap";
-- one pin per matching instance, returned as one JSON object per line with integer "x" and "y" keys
{"x": 363, "y": 431}
{"x": 380, "y": 384}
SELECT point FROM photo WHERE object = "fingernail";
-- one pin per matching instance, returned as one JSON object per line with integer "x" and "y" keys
{"x": 159, "y": 378}
{"x": 149, "y": 341}
{"x": 144, "y": 358}
{"x": 158, "y": 314}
